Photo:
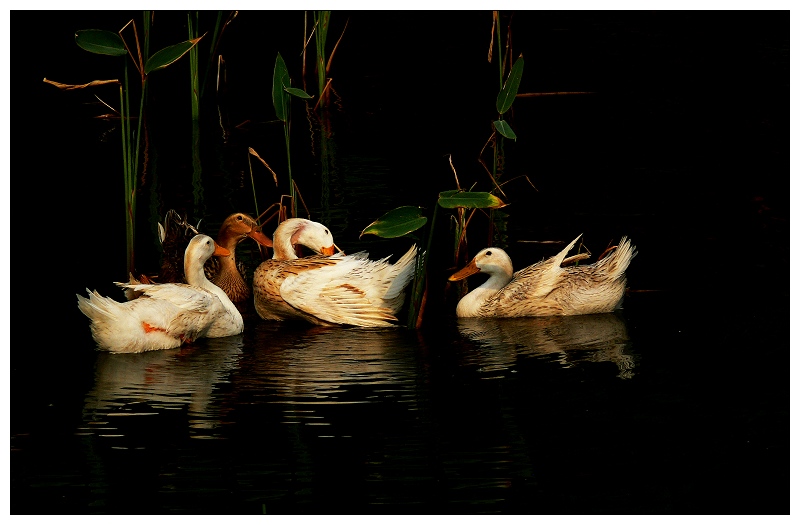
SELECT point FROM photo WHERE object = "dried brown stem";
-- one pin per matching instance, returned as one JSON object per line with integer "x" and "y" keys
{"x": 256, "y": 155}
{"x": 322, "y": 95}
{"x": 308, "y": 214}
{"x": 67, "y": 87}
{"x": 607, "y": 251}
{"x": 491, "y": 41}
{"x": 574, "y": 258}
{"x": 450, "y": 158}
{"x": 138, "y": 63}
{"x": 330, "y": 58}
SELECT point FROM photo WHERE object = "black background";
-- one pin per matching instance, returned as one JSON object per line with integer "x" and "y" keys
{"x": 682, "y": 145}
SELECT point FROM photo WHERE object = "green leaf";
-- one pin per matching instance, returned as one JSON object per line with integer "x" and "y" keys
{"x": 101, "y": 42}
{"x": 280, "y": 80}
{"x": 469, "y": 199}
{"x": 297, "y": 92}
{"x": 398, "y": 222}
{"x": 509, "y": 91}
{"x": 168, "y": 55}
{"x": 504, "y": 129}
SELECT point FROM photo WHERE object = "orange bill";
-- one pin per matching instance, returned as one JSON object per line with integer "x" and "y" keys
{"x": 330, "y": 250}
{"x": 465, "y": 272}
{"x": 260, "y": 238}
{"x": 220, "y": 251}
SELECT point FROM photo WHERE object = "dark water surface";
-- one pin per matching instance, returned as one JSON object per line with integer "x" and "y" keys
{"x": 677, "y": 404}
{"x": 634, "y": 412}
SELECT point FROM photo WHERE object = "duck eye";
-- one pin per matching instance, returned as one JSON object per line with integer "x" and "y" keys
{"x": 239, "y": 218}
{"x": 489, "y": 253}
{"x": 326, "y": 232}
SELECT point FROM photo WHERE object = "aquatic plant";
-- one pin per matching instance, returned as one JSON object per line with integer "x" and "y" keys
{"x": 501, "y": 129}
{"x": 196, "y": 91}
{"x": 405, "y": 220}
{"x": 282, "y": 92}
{"x": 109, "y": 43}
{"x": 463, "y": 203}
{"x": 321, "y": 21}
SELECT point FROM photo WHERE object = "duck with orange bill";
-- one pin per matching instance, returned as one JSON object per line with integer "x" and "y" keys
{"x": 547, "y": 287}
{"x": 165, "y": 315}
{"x": 329, "y": 288}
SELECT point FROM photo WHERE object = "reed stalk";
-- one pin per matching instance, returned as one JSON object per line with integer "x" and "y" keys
{"x": 111, "y": 43}
{"x": 282, "y": 93}
{"x": 194, "y": 84}
{"x": 321, "y": 21}
{"x": 128, "y": 170}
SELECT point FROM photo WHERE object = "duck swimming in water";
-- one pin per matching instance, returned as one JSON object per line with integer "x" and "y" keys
{"x": 165, "y": 315}
{"x": 330, "y": 288}
{"x": 545, "y": 288}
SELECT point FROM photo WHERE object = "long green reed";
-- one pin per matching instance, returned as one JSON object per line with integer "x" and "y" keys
{"x": 282, "y": 92}
{"x": 111, "y": 43}
{"x": 321, "y": 23}
{"x": 194, "y": 85}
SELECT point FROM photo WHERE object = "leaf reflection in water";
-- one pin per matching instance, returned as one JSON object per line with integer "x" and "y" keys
{"x": 570, "y": 339}
{"x": 150, "y": 383}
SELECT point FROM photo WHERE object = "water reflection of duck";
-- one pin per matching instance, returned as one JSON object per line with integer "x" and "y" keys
{"x": 338, "y": 364}
{"x": 168, "y": 314}
{"x": 328, "y": 289}
{"x": 545, "y": 288}
{"x": 165, "y": 380}
{"x": 571, "y": 339}
{"x": 224, "y": 271}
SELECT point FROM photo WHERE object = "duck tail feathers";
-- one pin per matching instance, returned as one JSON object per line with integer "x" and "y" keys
{"x": 405, "y": 266}
{"x": 96, "y": 307}
{"x": 618, "y": 261}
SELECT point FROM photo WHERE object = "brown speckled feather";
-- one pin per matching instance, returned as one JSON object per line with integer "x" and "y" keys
{"x": 267, "y": 281}
{"x": 331, "y": 289}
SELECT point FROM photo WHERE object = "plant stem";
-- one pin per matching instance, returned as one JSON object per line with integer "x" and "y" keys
{"x": 194, "y": 84}
{"x": 321, "y": 18}
{"x": 129, "y": 175}
{"x": 420, "y": 277}
{"x": 292, "y": 192}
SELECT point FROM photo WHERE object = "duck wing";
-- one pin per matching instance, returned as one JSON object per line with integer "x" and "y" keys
{"x": 267, "y": 280}
{"x": 336, "y": 292}
{"x": 180, "y": 310}
{"x": 526, "y": 293}
{"x": 183, "y": 296}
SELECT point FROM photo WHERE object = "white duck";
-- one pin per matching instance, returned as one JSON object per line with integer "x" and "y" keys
{"x": 225, "y": 272}
{"x": 545, "y": 288}
{"x": 328, "y": 290}
{"x": 168, "y": 314}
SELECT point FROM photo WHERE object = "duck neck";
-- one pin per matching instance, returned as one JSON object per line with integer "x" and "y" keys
{"x": 282, "y": 248}
{"x": 470, "y": 304}
{"x": 196, "y": 276}
{"x": 227, "y": 264}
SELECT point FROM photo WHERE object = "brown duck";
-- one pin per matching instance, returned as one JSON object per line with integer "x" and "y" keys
{"x": 224, "y": 271}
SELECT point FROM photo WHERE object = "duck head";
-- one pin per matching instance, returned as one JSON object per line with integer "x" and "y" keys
{"x": 236, "y": 227}
{"x": 492, "y": 261}
{"x": 304, "y": 232}
{"x": 200, "y": 249}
